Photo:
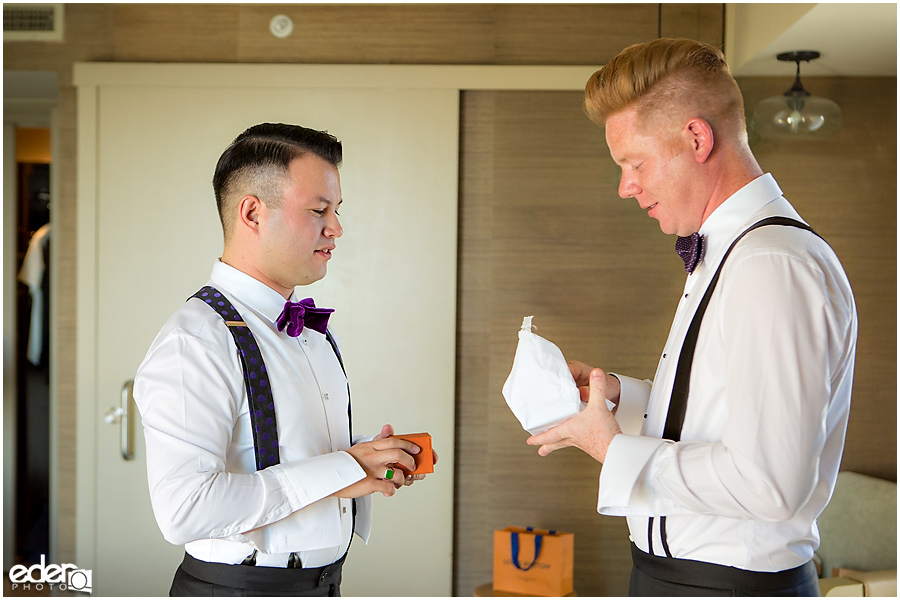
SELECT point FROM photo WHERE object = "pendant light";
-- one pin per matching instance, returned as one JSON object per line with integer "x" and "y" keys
{"x": 797, "y": 113}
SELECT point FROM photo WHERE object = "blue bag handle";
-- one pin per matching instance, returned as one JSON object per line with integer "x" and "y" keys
{"x": 514, "y": 544}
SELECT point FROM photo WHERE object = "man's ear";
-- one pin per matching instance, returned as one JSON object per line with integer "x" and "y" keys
{"x": 699, "y": 134}
{"x": 249, "y": 210}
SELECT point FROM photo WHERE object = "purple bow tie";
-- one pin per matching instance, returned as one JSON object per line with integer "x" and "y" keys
{"x": 691, "y": 250}
{"x": 297, "y": 315}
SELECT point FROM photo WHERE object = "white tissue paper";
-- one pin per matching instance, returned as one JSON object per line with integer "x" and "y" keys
{"x": 540, "y": 389}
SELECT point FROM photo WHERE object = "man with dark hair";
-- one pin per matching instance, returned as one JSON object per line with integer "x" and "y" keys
{"x": 724, "y": 461}
{"x": 245, "y": 404}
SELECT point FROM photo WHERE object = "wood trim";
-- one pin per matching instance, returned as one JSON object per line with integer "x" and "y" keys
{"x": 460, "y": 77}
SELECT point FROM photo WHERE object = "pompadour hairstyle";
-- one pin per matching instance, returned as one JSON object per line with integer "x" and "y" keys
{"x": 664, "y": 75}
{"x": 260, "y": 157}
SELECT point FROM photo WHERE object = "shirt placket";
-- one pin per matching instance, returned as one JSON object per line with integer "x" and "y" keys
{"x": 668, "y": 362}
{"x": 325, "y": 397}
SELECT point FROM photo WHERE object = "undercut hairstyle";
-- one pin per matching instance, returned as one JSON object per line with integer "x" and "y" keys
{"x": 257, "y": 161}
{"x": 668, "y": 80}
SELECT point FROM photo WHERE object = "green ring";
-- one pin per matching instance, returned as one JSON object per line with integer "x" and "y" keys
{"x": 389, "y": 474}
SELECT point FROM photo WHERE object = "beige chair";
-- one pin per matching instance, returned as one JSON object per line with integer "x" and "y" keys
{"x": 858, "y": 553}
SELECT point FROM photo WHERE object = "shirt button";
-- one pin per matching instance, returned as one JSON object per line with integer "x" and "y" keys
{"x": 344, "y": 509}
{"x": 305, "y": 343}
{"x": 686, "y": 295}
{"x": 326, "y": 396}
{"x": 664, "y": 355}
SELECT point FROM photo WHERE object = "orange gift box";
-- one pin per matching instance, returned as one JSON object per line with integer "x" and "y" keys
{"x": 424, "y": 459}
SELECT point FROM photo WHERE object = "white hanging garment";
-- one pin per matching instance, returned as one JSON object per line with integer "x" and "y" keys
{"x": 32, "y": 274}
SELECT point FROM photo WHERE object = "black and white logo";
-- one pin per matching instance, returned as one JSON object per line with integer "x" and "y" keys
{"x": 54, "y": 577}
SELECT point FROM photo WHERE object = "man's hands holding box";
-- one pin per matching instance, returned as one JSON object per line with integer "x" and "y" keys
{"x": 426, "y": 458}
{"x": 391, "y": 462}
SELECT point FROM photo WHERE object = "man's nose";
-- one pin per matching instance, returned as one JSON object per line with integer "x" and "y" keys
{"x": 333, "y": 227}
{"x": 628, "y": 187}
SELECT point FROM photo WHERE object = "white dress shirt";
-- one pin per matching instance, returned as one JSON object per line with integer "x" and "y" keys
{"x": 768, "y": 405}
{"x": 32, "y": 275}
{"x": 204, "y": 487}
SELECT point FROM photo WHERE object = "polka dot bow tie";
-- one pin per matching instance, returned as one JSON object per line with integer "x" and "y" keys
{"x": 297, "y": 315}
{"x": 691, "y": 250}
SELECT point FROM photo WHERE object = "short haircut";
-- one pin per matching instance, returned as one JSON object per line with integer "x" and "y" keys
{"x": 668, "y": 78}
{"x": 257, "y": 161}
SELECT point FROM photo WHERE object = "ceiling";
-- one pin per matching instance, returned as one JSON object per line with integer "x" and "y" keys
{"x": 853, "y": 39}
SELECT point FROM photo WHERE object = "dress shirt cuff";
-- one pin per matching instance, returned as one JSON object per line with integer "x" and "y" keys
{"x": 634, "y": 396}
{"x": 363, "y": 526}
{"x": 311, "y": 479}
{"x": 359, "y": 439}
{"x": 363, "y": 523}
{"x": 622, "y": 492}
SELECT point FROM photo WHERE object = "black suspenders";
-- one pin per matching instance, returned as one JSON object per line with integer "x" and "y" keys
{"x": 256, "y": 379}
{"x": 681, "y": 386}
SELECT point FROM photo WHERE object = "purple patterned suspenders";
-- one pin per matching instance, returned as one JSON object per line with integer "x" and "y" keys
{"x": 256, "y": 378}
{"x": 259, "y": 391}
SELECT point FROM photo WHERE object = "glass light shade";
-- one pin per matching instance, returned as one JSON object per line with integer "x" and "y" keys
{"x": 791, "y": 116}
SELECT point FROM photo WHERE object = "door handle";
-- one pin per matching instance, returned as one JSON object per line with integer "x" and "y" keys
{"x": 124, "y": 416}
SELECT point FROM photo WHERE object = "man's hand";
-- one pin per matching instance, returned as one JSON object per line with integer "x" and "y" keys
{"x": 593, "y": 429}
{"x": 411, "y": 479}
{"x": 376, "y": 457}
{"x": 581, "y": 373}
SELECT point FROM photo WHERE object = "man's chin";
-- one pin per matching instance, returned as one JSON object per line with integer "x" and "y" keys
{"x": 311, "y": 278}
{"x": 667, "y": 229}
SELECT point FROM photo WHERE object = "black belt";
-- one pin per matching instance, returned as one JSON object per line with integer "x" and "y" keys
{"x": 710, "y": 575}
{"x": 263, "y": 579}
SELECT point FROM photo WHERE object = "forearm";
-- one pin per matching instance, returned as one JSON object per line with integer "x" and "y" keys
{"x": 191, "y": 502}
{"x": 769, "y": 479}
{"x": 613, "y": 389}
{"x": 200, "y": 452}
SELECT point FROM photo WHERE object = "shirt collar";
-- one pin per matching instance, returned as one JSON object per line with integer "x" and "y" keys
{"x": 735, "y": 214}
{"x": 248, "y": 291}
